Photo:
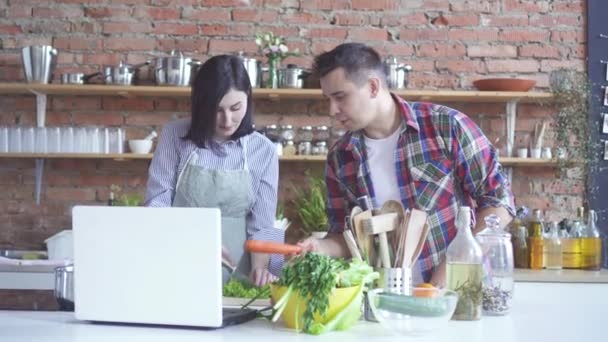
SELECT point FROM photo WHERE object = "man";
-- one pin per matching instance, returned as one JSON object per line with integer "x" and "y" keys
{"x": 426, "y": 156}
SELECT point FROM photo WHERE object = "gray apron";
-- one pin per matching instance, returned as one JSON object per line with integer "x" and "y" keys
{"x": 227, "y": 190}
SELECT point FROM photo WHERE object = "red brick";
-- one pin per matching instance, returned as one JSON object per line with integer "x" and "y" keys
{"x": 98, "y": 119}
{"x": 568, "y": 36}
{"x": 283, "y": 31}
{"x": 107, "y": 12}
{"x": 524, "y": 36}
{"x": 47, "y": 26}
{"x": 13, "y": 43}
{"x": 397, "y": 49}
{"x": 10, "y": 59}
{"x": 176, "y": 29}
{"x": 552, "y": 21}
{"x": 303, "y": 18}
{"x": 67, "y": 103}
{"x": 436, "y": 5}
{"x": 319, "y": 47}
{"x": 121, "y": 27}
{"x": 20, "y": 12}
{"x": 77, "y": 43}
{"x": 70, "y": 194}
{"x": 475, "y": 6}
{"x": 57, "y": 12}
{"x": 86, "y": 27}
{"x": 135, "y": 104}
{"x": 413, "y": 35}
{"x": 90, "y": 180}
{"x": 325, "y": 4}
{"x": 374, "y": 4}
{"x": 549, "y": 65}
{"x": 433, "y": 80}
{"x": 230, "y": 46}
{"x": 569, "y": 7}
{"x": 541, "y": 51}
{"x": 368, "y": 34}
{"x": 55, "y": 179}
{"x": 526, "y": 6}
{"x": 505, "y": 20}
{"x": 129, "y": 44}
{"x": 564, "y": 186}
{"x": 206, "y": 14}
{"x": 461, "y": 66}
{"x": 473, "y": 35}
{"x": 101, "y": 59}
{"x": 148, "y": 118}
{"x": 492, "y": 51}
{"x": 175, "y": 2}
{"x": 157, "y": 13}
{"x": 58, "y": 118}
{"x": 440, "y": 50}
{"x": 218, "y": 3}
{"x": 335, "y": 33}
{"x": 513, "y": 66}
{"x": 254, "y": 15}
{"x": 351, "y": 19}
{"x": 409, "y": 20}
{"x": 462, "y": 20}
{"x": 10, "y": 29}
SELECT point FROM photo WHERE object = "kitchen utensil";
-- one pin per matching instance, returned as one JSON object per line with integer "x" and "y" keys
{"x": 396, "y": 73}
{"x": 176, "y": 69}
{"x": 504, "y": 84}
{"x": 365, "y": 242}
{"x": 415, "y": 230}
{"x": 380, "y": 225}
{"x": 292, "y": 77}
{"x": 269, "y": 247}
{"x": 352, "y": 245}
{"x": 122, "y": 74}
{"x": 254, "y": 70}
{"x": 64, "y": 287}
{"x": 77, "y": 77}
{"x": 140, "y": 146}
{"x": 38, "y": 63}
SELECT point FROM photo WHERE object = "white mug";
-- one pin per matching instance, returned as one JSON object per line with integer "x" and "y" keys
{"x": 522, "y": 152}
{"x": 535, "y": 153}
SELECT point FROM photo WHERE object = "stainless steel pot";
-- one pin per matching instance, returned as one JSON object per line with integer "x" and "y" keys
{"x": 175, "y": 70}
{"x": 396, "y": 73}
{"x": 77, "y": 77}
{"x": 64, "y": 287}
{"x": 292, "y": 77}
{"x": 122, "y": 74}
{"x": 38, "y": 63}
{"x": 254, "y": 70}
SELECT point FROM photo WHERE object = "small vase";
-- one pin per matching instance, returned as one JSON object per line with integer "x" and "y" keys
{"x": 273, "y": 74}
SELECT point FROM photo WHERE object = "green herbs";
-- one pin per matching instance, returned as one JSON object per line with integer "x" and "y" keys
{"x": 310, "y": 204}
{"x": 469, "y": 300}
{"x": 241, "y": 289}
{"x": 314, "y": 276}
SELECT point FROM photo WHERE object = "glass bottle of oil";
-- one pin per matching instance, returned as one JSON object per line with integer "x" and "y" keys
{"x": 521, "y": 252}
{"x": 553, "y": 248}
{"x": 536, "y": 246}
{"x": 464, "y": 271}
{"x": 591, "y": 244}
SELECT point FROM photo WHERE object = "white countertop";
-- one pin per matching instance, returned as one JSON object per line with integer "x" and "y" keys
{"x": 541, "y": 312}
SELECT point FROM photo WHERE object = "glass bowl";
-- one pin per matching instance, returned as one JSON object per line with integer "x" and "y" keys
{"x": 409, "y": 315}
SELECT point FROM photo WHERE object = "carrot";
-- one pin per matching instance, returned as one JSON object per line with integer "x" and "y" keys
{"x": 258, "y": 246}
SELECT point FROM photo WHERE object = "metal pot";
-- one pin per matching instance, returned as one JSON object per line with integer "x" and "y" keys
{"x": 176, "y": 70}
{"x": 292, "y": 77}
{"x": 396, "y": 73}
{"x": 64, "y": 287}
{"x": 254, "y": 70}
{"x": 77, "y": 77}
{"x": 38, "y": 63}
{"x": 122, "y": 74}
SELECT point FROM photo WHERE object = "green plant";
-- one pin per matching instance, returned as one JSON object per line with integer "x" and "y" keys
{"x": 310, "y": 203}
{"x": 122, "y": 199}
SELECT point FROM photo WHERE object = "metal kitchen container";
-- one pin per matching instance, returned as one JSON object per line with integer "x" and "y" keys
{"x": 292, "y": 77}
{"x": 38, "y": 63}
{"x": 254, "y": 70}
{"x": 64, "y": 287}
{"x": 175, "y": 70}
{"x": 122, "y": 74}
{"x": 396, "y": 73}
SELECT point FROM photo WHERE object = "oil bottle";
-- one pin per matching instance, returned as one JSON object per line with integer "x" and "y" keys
{"x": 591, "y": 244}
{"x": 536, "y": 246}
{"x": 464, "y": 271}
{"x": 553, "y": 248}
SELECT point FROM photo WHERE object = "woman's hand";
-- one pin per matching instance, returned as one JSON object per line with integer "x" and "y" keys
{"x": 261, "y": 276}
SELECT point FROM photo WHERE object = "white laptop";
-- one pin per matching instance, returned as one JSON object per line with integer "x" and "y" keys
{"x": 150, "y": 266}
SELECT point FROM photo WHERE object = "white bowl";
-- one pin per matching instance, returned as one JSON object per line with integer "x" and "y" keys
{"x": 140, "y": 145}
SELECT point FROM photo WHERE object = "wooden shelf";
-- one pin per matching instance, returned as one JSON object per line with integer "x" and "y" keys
{"x": 310, "y": 159}
{"x": 274, "y": 94}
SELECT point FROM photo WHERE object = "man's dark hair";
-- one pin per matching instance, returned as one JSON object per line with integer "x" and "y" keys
{"x": 358, "y": 61}
{"x": 214, "y": 79}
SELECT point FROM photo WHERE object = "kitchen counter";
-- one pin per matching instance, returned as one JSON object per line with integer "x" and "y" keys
{"x": 561, "y": 276}
{"x": 541, "y": 312}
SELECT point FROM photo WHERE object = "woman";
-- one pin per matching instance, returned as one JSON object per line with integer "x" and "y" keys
{"x": 216, "y": 159}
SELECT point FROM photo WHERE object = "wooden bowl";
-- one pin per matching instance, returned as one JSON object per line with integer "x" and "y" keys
{"x": 504, "y": 84}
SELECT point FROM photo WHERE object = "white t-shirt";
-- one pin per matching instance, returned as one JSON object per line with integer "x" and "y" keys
{"x": 381, "y": 161}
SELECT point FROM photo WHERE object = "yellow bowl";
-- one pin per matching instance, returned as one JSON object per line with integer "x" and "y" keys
{"x": 296, "y": 305}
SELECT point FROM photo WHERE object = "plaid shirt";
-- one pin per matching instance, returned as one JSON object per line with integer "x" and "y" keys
{"x": 443, "y": 161}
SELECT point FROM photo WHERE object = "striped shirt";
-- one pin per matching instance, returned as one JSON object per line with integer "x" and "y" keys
{"x": 170, "y": 159}
{"x": 443, "y": 161}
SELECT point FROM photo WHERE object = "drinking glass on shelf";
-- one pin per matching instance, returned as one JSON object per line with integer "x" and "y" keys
{"x": 117, "y": 140}
{"x": 28, "y": 140}
{"x": 93, "y": 140}
{"x": 53, "y": 142}
{"x": 67, "y": 140}
{"x": 80, "y": 140}
{"x": 14, "y": 139}
{"x": 3, "y": 139}
{"x": 40, "y": 138}
{"x": 105, "y": 138}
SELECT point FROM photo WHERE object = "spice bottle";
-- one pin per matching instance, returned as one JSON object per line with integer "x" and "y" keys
{"x": 536, "y": 246}
{"x": 464, "y": 271}
{"x": 554, "y": 248}
{"x": 520, "y": 248}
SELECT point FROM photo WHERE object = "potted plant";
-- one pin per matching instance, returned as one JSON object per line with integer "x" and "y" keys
{"x": 122, "y": 199}
{"x": 275, "y": 49}
{"x": 310, "y": 204}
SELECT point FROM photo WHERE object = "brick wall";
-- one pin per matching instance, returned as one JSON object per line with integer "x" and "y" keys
{"x": 449, "y": 43}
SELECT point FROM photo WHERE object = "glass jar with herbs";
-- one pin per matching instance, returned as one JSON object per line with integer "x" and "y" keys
{"x": 497, "y": 286}
{"x": 305, "y": 137}
{"x": 287, "y": 133}
{"x": 272, "y": 133}
{"x": 321, "y": 133}
{"x": 521, "y": 252}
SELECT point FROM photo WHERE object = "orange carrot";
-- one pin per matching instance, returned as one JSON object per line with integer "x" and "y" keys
{"x": 258, "y": 246}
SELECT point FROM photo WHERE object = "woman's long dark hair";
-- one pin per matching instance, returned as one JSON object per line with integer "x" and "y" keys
{"x": 214, "y": 79}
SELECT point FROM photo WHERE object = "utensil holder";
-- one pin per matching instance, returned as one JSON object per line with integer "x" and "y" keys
{"x": 394, "y": 280}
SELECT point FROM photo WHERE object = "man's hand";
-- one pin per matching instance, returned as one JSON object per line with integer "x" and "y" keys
{"x": 438, "y": 277}
{"x": 261, "y": 276}
{"x": 310, "y": 244}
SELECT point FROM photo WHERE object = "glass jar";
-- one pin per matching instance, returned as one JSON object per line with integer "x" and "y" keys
{"x": 287, "y": 133}
{"x": 321, "y": 133}
{"x": 289, "y": 148}
{"x": 272, "y": 133}
{"x": 464, "y": 272}
{"x": 520, "y": 248}
{"x": 304, "y": 148}
{"x": 305, "y": 134}
{"x": 321, "y": 147}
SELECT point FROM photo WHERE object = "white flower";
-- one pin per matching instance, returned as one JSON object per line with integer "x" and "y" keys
{"x": 267, "y": 37}
{"x": 277, "y": 41}
{"x": 274, "y": 48}
{"x": 283, "y": 48}
{"x": 258, "y": 41}
{"x": 266, "y": 51}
